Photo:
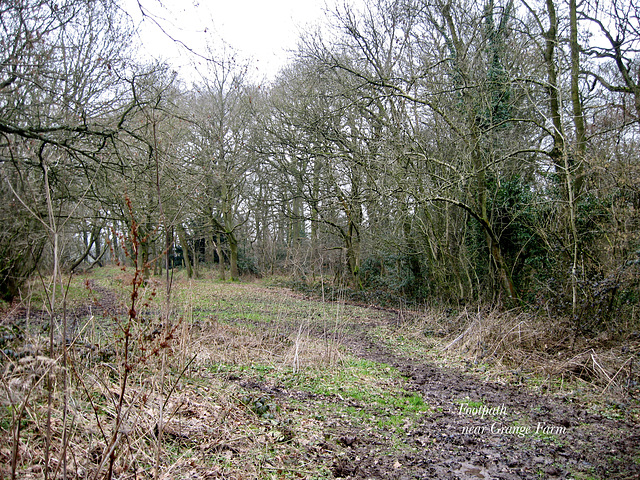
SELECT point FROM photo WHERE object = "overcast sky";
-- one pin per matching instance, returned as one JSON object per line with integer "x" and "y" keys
{"x": 260, "y": 29}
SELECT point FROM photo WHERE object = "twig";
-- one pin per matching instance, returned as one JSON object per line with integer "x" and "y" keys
{"x": 617, "y": 373}
{"x": 459, "y": 337}
{"x": 16, "y": 419}
{"x": 173, "y": 387}
{"x": 595, "y": 363}
{"x": 159, "y": 423}
{"x": 506, "y": 335}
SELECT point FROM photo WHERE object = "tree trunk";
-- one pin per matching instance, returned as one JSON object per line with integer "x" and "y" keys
{"x": 233, "y": 255}
{"x": 233, "y": 244}
{"x": 578, "y": 116}
{"x": 551, "y": 40}
{"x": 182, "y": 236}
{"x": 98, "y": 245}
{"x": 143, "y": 253}
{"x": 491, "y": 239}
{"x": 353, "y": 255}
{"x": 220, "y": 258}
{"x": 195, "y": 257}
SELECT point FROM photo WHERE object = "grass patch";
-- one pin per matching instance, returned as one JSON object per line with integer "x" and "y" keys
{"x": 187, "y": 372}
{"x": 249, "y": 381}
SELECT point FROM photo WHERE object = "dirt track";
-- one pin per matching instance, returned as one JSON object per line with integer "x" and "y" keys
{"x": 518, "y": 435}
{"x": 472, "y": 429}
{"x": 459, "y": 443}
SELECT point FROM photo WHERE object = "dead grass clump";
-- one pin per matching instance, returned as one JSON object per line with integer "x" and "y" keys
{"x": 235, "y": 344}
{"x": 310, "y": 351}
{"x": 204, "y": 428}
{"x": 219, "y": 343}
{"x": 524, "y": 342}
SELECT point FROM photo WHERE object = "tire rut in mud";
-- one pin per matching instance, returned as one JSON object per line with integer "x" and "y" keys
{"x": 483, "y": 430}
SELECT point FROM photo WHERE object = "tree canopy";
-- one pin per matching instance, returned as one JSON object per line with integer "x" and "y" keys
{"x": 449, "y": 151}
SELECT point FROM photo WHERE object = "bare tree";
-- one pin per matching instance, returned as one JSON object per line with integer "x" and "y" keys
{"x": 222, "y": 116}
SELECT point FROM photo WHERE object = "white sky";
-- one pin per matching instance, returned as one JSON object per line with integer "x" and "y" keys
{"x": 259, "y": 29}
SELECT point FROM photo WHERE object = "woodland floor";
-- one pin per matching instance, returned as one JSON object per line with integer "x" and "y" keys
{"x": 269, "y": 384}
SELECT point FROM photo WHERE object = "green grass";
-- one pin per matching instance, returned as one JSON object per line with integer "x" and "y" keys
{"x": 362, "y": 392}
{"x": 469, "y": 403}
{"x": 247, "y": 335}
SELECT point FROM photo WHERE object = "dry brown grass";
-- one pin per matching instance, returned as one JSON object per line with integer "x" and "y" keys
{"x": 184, "y": 414}
{"x": 207, "y": 431}
{"x": 188, "y": 411}
{"x": 526, "y": 343}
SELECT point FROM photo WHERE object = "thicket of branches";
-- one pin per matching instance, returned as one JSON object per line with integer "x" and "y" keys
{"x": 443, "y": 151}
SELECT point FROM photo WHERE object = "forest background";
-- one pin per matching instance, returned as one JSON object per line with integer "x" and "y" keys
{"x": 412, "y": 152}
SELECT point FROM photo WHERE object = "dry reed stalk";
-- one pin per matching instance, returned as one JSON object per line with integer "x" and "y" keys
{"x": 525, "y": 342}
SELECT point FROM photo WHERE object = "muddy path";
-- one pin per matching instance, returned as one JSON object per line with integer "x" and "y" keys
{"x": 468, "y": 429}
{"x": 475, "y": 430}
{"x": 483, "y": 430}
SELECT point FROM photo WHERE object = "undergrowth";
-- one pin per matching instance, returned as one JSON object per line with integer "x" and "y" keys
{"x": 242, "y": 380}
{"x": 531, "y": 345}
